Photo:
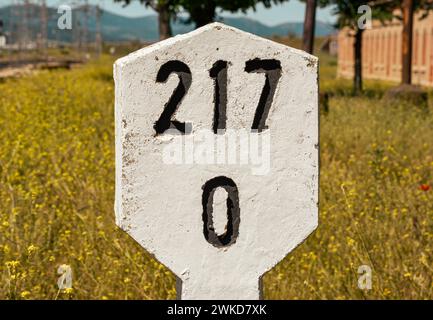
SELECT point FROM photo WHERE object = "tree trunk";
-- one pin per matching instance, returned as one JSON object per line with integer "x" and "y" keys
{"x": 203, "y": 15}
{"x": 164, "y": 19}
{"x": 309, "y": 26}
{"x": 408, "y": 12}
{"x": 357, "y": 84}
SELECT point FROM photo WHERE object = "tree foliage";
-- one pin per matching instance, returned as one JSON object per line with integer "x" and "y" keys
{"x": 166, "y": 9}
{"x": 419, "y": 5}
{"x": 171, "y": 5}
{"x": 205, "y": 11}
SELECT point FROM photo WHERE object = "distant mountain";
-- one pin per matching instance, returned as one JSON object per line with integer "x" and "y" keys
{"x": 120, "y": 28}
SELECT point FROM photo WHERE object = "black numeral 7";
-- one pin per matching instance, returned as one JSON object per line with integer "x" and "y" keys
{"x": 272, "y": 69}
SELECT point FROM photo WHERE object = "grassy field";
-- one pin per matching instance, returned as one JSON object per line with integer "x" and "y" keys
{"x": 57, "y": 192}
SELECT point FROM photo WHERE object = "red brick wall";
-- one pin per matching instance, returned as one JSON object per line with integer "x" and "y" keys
{"x": 382, "y": 52}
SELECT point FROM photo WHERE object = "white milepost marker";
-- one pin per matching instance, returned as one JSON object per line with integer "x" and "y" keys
{"x": 217, "y": 156}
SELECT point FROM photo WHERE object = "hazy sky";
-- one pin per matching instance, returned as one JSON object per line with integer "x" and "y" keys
{"x": 289, "y": 11}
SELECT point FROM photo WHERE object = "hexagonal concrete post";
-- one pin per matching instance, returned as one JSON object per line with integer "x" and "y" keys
{"x": 217, "y": 156}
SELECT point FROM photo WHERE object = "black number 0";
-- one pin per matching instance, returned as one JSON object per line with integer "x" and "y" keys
{"x": 233, "y": 212}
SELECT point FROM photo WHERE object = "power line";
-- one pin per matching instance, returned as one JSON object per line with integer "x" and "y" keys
{"x": 44, "y": 26}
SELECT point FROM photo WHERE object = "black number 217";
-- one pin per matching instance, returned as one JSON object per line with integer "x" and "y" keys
{"x": 270, "y": 67}
{"x": 272, "y": 70}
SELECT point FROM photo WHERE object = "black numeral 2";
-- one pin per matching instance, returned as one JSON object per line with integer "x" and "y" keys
{"x": 165, "y": 121}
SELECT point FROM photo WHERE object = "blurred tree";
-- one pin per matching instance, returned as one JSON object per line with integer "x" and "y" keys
{"x": 310, "y": 23}
{"x": 204, "y": 11}
{"x": 309, "y": 26}
{"x": 408, "y": 9}
{"x": 351, "y": 14}
{"x": 166, "y": 10}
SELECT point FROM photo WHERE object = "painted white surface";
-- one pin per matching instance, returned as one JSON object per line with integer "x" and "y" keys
{"x": 159, "y": 205}
{"x": 2, "y": 41}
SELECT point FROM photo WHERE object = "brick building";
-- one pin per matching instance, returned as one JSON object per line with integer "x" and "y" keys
{"x": 382, "y": 57}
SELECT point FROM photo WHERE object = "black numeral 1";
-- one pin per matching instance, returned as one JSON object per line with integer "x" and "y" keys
{"x": 219, "y": 73}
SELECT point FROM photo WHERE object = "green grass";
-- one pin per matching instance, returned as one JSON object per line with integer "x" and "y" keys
{"x": 57, "y": 193}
